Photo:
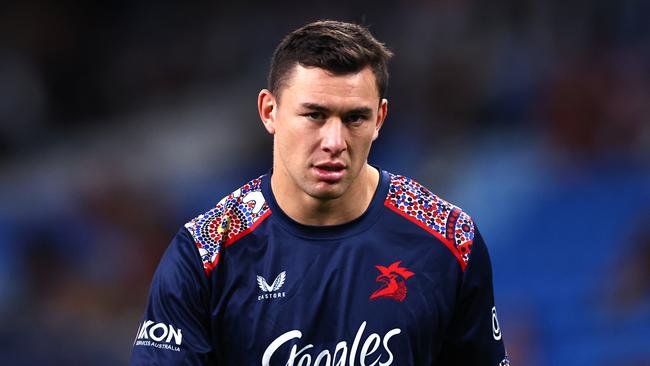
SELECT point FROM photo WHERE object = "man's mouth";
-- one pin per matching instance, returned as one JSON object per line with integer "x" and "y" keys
{"x": 330, "y": 167}
{"x": 329, "y": 172}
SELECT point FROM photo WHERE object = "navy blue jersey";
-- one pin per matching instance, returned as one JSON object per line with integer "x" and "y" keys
{"x": 409, "y": 282}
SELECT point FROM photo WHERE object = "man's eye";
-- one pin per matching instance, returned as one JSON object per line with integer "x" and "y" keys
{"x": 314, "y": 115}
{"x": 355, "y": 119}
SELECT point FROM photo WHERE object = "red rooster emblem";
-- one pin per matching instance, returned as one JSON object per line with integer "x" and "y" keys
{"x": 393, "y": 278}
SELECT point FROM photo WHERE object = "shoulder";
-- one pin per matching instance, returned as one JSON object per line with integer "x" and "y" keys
{"x": 444, "y": 220}
{"x": 236, "y": 215}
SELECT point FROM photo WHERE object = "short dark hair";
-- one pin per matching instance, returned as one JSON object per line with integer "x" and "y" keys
{"x": 338, "y": 47}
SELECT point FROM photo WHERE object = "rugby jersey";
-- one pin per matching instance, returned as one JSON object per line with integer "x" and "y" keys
{"x": 409, "y": 282}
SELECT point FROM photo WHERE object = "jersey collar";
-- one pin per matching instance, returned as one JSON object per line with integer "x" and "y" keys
{"x": 360, "y": 224}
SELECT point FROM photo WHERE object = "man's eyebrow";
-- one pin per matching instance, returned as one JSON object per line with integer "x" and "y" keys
{"x": 360, "y": 110}
{"x": 315, "y": 107}
{"x": 321, "y": 108}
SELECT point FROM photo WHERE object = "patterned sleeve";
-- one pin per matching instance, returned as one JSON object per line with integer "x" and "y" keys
{"x": 474, "y": 336}
{"x": 175, "y": 326}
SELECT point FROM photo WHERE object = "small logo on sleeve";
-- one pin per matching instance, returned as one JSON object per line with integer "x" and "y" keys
{"x": 496, "y": 330}
{"x": 394, "y": 282}
{"x": 159, "y": 335}
{"x": 272, "y": 291}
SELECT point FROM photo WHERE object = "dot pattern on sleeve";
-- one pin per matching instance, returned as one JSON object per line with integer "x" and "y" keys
{"x": 453, "y": 227}
{"x": 232, "y": 218}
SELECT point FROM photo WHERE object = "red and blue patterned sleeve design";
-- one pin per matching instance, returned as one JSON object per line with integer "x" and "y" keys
{"x": 453, "y": 227}
{"x": 231, "y": 219}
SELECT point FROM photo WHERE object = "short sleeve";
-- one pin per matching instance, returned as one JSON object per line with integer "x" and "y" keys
{"x": 474, "y": 335}
{"x": 175, "y": 329}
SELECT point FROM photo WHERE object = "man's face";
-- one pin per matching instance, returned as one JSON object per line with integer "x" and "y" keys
{"x": 323, "y": 127}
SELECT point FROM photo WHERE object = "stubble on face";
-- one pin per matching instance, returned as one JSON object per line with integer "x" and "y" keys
{"x": 324, "y": 127}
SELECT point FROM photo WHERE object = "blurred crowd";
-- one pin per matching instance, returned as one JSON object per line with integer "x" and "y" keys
{"x": 121, "y": 120}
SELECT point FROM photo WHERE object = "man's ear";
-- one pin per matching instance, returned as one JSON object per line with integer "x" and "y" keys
{"x": 381, "y": 116}
{"x": 267, "y": 107}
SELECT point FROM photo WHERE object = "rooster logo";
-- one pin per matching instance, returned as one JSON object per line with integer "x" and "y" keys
{"x": 394, "y": 278}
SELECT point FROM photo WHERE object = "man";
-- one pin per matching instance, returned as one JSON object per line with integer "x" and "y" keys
{"x": 325, "y": 260}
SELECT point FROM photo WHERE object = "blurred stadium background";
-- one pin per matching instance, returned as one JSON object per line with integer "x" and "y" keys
{"x": 120, "y": 120}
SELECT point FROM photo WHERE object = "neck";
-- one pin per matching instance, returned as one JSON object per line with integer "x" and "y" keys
{"x": 308, "y": 210}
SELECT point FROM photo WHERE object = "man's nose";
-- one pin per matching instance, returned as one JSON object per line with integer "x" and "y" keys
{"x": 333, "y": 138}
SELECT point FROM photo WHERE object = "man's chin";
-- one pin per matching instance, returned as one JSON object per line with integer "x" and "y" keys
{"x": 327, "y": 191}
